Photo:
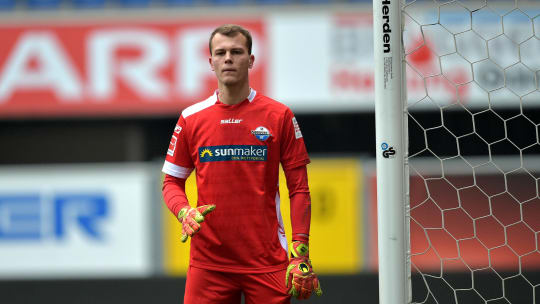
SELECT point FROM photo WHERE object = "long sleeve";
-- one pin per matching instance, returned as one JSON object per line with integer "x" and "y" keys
{"x": 174, "y": 193}
{"x": 297, "y": 183}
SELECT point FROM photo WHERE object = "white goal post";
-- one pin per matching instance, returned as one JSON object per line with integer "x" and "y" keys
{"x": 457, "y": 109}
{"x": 391, "y": 147}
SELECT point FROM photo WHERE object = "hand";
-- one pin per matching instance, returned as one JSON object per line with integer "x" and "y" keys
{"x": 191, "y": 219}
{"x": 300, "y": 278}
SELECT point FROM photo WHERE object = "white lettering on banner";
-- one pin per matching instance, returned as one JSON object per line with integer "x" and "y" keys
{"x": 41, "y": 61}
{"x": 140, "y": 74}
{"x": 53, "y": 71}
{"x": 192, "y": 62}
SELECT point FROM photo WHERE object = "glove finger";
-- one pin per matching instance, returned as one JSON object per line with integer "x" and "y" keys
{"x": 305, "y": 294}
{"x": 299, "y": 285}
{"x": 194, "y": 225}
{"x": 188, "y": 229}
{"x": 288, "y": 277}
{"x": 293, "y": 292}
{"x": 301, "y": 293}
{"x": 317, "y": 287}
{"x": 306, "y": 289}
{"x": 204, "y": 210}
{"x": 197, "y": 216}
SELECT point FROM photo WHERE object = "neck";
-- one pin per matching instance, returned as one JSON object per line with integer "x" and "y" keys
{"x": 232, "y": 95}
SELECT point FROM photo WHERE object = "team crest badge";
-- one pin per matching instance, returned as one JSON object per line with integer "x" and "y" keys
{"x": 261, "y": 133}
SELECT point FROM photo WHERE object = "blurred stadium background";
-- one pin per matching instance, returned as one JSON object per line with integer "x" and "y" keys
{"x": 90, "y": 91}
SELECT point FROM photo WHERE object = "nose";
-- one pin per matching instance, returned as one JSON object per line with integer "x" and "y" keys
{"x": 228, "y": 57}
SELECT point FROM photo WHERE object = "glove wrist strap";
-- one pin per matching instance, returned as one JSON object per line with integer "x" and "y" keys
{"x": 299, "y": 250}
{"x": 300, "y": 237}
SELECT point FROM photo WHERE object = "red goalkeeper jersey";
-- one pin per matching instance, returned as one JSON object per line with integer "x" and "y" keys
{"x": 236, "y": 151}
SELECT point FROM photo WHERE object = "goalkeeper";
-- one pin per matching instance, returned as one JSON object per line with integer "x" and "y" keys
{"x": 235, "y": 141}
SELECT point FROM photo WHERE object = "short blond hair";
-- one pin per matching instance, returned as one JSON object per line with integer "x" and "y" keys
{"x": 231, "y": 30}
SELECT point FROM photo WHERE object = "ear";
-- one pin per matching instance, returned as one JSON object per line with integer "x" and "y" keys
{"x": 210, "y": 62}
{"x": 251, "y": 60}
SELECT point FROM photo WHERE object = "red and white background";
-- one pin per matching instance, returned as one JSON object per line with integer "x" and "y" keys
{"x": 108, "y": 68}
{"x": 313, "y": 62}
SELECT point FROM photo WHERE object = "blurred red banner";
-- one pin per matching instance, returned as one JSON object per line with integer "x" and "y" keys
{"x": 112, "y": 68}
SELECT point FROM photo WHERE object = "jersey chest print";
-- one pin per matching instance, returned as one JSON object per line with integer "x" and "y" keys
{"x": 240, "y": 152}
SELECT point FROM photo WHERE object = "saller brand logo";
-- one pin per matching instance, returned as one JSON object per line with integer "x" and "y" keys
{"x": 231, "y": 121}
{"x": 233, "y": 153}
{"x": 386, "y": 25}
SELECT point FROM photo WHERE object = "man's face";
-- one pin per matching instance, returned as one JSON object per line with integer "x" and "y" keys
{"x": 230, "y": 59}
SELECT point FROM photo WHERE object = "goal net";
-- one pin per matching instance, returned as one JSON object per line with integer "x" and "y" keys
{"x": 470, "y": 150}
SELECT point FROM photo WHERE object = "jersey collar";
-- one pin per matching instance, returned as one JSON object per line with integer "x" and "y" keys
{"x": 251, "y": 96}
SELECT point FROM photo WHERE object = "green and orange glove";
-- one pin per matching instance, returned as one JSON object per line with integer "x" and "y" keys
{"x": 191, "y": 219}
{"x": 300, "y": 279}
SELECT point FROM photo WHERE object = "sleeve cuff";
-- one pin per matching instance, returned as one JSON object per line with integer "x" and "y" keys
{"x": 295, "y": 164}
{"x": 175, "y": 170}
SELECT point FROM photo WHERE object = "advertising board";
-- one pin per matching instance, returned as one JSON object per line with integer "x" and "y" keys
{"x": 74, "y": 221}
{"x": 313, "y": 61}
{"x": 111, "y": 68}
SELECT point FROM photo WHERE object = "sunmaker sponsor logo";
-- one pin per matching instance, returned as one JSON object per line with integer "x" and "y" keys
{"x": 233, "y": 153}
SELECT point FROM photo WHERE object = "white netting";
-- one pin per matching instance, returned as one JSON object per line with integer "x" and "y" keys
{"x": 473, "y": 74}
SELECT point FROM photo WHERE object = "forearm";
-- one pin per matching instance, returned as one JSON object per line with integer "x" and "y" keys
{"x": 300, "y": 216}
{"x": 300, "y": 279}
{"x": 297, "y": 182}
{"x": 174, "y": 193}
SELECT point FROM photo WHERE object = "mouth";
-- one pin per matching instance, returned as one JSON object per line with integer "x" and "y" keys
{"x": 228, "y": 70}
